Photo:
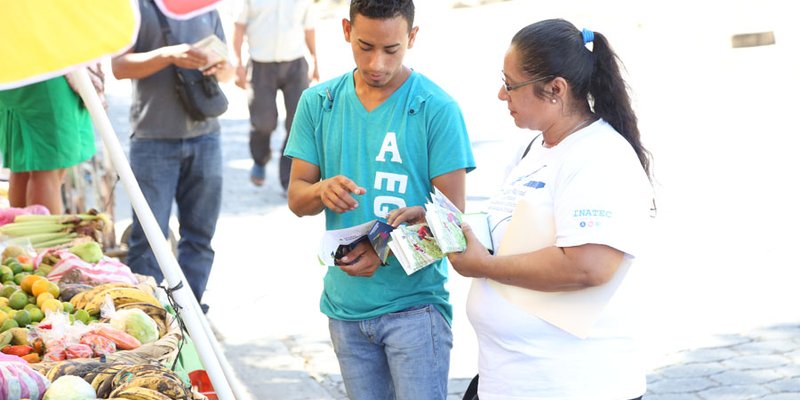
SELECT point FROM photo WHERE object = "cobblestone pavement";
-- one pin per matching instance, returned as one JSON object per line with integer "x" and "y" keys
{"x": 722, "y": 298}
{"x": 764, "y": 364}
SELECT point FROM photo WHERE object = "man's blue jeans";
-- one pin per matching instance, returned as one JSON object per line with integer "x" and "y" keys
{"x": 188, "y": 172}
{"x": 403, "y": 355}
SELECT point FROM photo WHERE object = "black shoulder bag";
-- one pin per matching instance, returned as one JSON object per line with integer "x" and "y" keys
{"x": 201, "y": 96}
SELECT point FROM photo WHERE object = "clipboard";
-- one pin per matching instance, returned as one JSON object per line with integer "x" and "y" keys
{"x": 532, "y": 227}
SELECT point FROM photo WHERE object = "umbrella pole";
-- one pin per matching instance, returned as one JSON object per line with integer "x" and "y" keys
{"x": 188, "y": 308}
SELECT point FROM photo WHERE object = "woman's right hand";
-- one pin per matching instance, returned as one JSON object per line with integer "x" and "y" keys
{"x": 473, "y": 261}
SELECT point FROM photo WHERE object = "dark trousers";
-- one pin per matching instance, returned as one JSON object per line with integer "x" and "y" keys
{"x": 291, "y": 78}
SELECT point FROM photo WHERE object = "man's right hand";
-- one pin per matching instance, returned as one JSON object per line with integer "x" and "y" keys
{"x": 335, "y": 193}
{"x": 241, "y": 76}
{"x": 361, "y": 261}
{"x": 186, "y": 56}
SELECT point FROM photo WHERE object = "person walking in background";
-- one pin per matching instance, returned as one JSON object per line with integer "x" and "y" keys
{"x": 44, "y": 129}
{"x": 372, "y": 144}
{"x": 278, "y": 32}
{"x": 174, "y": 157}
{"x": 567, "y": 84}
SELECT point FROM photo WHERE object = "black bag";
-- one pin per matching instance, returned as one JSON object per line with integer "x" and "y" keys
{"x": 472, "y": 390}
{"x": 200, "y": 94}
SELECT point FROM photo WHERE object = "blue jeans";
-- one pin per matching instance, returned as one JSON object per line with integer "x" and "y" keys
{"x": 403, "y": 355}
{"x": 188, "y": 172}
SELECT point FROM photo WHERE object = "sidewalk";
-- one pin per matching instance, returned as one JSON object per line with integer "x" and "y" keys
{"x": 761, "y": 364}
{"x": 721, "y": 285}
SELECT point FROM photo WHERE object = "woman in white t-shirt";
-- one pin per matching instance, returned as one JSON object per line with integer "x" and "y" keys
{"x": 567, "y": 224}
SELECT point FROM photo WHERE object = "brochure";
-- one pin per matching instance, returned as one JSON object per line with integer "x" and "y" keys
{"x": 336, "y": 243}
{"x": 414, "y": 246}
{"x": 444, "y": 220}
{"x": 418, "y": 246}
{"x": 214, "y": 48}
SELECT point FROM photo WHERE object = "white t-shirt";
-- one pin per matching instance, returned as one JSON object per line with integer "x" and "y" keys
{"x": 276, "y": 28}
{"x": 597, "y": 192}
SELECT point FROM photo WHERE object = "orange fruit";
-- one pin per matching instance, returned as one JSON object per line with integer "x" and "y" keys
{"x": 28, "y": 281}
{"x": 44, "y": 285}
{"x": 42, "y": 297}
{"x": 51, "y": 305}
{"x": 18, "y": 300}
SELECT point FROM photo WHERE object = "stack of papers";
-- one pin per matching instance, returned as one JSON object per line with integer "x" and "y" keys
{"x": 214, "y": 48}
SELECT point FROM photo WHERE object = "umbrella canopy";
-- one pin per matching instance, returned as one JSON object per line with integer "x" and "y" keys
{"x": 185, "y": 9}
{"x": 52, "y": 37}
{"x": 48, "y": 38}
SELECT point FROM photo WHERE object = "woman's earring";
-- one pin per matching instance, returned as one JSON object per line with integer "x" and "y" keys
{"x": 553, "y": 101}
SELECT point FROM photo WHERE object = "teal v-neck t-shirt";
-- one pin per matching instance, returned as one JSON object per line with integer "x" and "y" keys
{"x": 393, "y": 151}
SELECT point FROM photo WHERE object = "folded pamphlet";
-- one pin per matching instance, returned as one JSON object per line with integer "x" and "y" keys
{"x": 338, "y": 242}
{"x": 414, "y": 246}
{"x": 420, "y": 245}
{"x": 214, "y": 48}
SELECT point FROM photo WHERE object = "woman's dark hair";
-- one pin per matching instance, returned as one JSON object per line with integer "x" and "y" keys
{"x": 383, "y": 9}
{"x": 556, "y": 47}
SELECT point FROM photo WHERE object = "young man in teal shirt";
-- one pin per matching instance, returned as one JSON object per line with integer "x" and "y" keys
{"x": 371, "y": 144}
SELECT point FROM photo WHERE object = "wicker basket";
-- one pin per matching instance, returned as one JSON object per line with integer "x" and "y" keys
{"x": 163, "y": 351}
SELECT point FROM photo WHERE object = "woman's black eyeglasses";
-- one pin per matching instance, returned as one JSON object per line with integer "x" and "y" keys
{"x": 511, "y": 86}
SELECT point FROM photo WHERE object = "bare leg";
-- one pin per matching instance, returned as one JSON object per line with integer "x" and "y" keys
{"x": 44, "y": 187}
{"x": 18, "y": 189}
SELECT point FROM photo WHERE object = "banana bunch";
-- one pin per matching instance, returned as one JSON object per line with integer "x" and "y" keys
{"x": 44, "y": 231}
{"x": 140, "y": 393}
{"x": 81, "y": 367}
{"x": 120, "y": 293}
{"x": 163, "y": 350}
{"x": 144, "y": 382}
{"x": 80, "y": 299}
{"x": 102, "y": 374}
{"x": 119, "y": 380}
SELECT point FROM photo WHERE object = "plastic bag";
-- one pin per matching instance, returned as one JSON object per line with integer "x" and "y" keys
{"x": 7, "y": 215}
{"x": 58, "y": 334}
{"x": 100, "y": 345}
{"x": 132, "y": 321}
{"x": 104, "y": 271}
{"x": 19, "y": 381}
{"x": 78, "y": 350}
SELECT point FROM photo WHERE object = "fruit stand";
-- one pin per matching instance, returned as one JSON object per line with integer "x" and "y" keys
{"x": 45, "y": 50}
{"x": 69, "y": 311}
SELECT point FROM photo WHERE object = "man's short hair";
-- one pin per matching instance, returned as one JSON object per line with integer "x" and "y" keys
{"x": 383, "y": 9}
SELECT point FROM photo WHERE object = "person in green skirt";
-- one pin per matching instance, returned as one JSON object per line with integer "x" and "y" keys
{"x": 44, "y": 129}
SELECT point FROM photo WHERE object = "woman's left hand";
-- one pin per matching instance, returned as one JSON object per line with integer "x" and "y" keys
{"x": 473, "y": 261}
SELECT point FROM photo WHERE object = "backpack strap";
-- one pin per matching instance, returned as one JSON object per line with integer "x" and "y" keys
{"x": 527, "y": 149}
{"x": 162, "y": 20}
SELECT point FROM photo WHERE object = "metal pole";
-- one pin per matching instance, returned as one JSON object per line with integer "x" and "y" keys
{"x": 188, "y": 309}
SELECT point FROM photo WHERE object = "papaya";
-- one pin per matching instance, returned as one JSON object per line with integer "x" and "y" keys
{"x": 17, "y": 350}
